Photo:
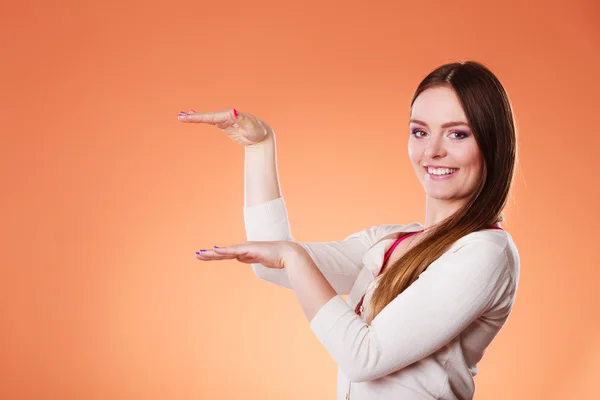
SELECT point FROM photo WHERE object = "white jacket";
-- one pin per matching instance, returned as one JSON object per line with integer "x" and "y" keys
{"x": 426, "y": 343}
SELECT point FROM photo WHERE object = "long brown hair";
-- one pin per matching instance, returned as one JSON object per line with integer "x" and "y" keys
{"x": 490, "y": 116}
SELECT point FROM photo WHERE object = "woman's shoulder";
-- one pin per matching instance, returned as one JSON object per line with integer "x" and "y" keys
{"x": 391, "y": 229}
{"x": 492, "y": 237}
{"x": 497, "y": 241}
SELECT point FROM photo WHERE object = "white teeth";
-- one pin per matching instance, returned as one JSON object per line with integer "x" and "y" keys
{"x": 440, "y": 171}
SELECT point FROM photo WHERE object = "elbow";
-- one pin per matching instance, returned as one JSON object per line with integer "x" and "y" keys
{"x": 260, "y": 270}
{"x": 367, "y": 370}
{"x": 359, "y": 375}
{"x": 370, "y": 373}
{"x": 365, "y": 361}
{"x": 275, "y": 276}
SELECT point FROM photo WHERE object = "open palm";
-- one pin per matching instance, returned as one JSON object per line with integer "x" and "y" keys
{"x": 271, "y": 254}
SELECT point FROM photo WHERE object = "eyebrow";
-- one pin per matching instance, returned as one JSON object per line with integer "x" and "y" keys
{"x": 446, "y": 125}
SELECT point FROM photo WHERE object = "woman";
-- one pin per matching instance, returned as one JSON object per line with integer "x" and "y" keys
{"x": 425, "y": 301}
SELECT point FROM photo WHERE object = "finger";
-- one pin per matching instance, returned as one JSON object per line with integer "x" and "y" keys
{"x": 208, "y": 117}
{"x": 235, "y": 250}
{"x": 209, "y": 255}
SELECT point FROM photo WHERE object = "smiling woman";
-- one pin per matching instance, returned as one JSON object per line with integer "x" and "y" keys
{"x": 421, "y": 312}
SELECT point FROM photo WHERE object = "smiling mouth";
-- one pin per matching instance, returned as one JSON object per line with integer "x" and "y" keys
{"x": 450, "y": 174}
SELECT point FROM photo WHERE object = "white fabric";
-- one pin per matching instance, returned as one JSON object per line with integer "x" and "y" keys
{"x": 426, "y": 343}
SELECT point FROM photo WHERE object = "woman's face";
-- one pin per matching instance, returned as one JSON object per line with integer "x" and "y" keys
{"x": 441, "y": 137}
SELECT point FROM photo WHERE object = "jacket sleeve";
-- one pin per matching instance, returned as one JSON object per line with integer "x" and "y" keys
{"x": 442, "y": 302}
{"x": 339, "y": 261}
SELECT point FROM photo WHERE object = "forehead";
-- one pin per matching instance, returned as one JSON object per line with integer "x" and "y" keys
{"x": 437, "y": 106}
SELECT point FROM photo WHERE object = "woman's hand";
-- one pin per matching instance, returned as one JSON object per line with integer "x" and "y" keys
{"x": 271, "y": 254}
{"x": 311, "y": 287}
{"x": 241, "y": 127}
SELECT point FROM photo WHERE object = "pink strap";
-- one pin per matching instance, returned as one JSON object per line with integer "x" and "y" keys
{"x": 397, "y": 242}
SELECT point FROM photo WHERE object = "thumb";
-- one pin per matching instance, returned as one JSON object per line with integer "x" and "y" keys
{"x": 243, "y": 120}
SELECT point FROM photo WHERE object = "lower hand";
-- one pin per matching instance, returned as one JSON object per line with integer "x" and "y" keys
{"x": 271, "y": 254}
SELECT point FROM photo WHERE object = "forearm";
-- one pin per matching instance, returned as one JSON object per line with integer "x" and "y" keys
{"x": 311, "y": 288}
{"x": 261, "y": 180}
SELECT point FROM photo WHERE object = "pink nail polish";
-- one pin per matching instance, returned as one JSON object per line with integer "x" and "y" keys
{"x": 235, "y": 112}
{"x": 192, "y": 110}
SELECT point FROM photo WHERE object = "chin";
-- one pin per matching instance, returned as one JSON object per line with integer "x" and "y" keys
{"x": 441, "y": 194}
{"x": 453, "y": 195}
{"x": 441, "y": 197}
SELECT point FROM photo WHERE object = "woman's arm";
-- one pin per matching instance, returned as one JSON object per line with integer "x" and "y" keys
{"x": 339, "y": 261}
{"x": 261, "y": 179}
{"x": 266, "y": 219}
{"x": 441, "y": 303}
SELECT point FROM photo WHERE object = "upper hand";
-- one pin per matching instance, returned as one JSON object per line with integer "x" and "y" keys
{"x": 271, "y": 254}
{"x": 243, "y": 128}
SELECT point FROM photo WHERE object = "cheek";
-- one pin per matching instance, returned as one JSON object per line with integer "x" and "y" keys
{"x": 414, "y": 152}
{"x": 472, "y": 158}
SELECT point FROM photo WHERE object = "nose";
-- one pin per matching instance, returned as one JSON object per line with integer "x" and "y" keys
{"x": 435, "y": 147}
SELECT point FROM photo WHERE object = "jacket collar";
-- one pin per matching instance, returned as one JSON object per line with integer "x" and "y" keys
{"x": 373, "y": 258}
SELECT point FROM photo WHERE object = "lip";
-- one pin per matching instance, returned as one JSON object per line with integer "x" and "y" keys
{"x": 437, "y": 166}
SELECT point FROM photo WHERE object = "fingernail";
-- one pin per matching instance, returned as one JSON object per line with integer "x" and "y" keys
{"x": 216, "y": 247}
{"x": 192, "y": 110}
{"x": 235, "y": 112}
{"x": 182, "y": 112}
{"x": 198, "y": 252}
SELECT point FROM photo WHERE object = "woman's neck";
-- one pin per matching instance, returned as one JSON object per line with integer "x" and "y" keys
{"x": 437, "y": 210}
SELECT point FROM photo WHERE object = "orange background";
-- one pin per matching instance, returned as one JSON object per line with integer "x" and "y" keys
{"x": 106, "y": 196}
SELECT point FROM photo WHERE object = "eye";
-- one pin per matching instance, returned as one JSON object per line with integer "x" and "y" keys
{"x": 415, "y": 132}
{"x": 461, "y": 134}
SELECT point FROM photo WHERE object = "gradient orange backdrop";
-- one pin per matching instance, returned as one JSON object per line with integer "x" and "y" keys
{"x": 106, "y": 196}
